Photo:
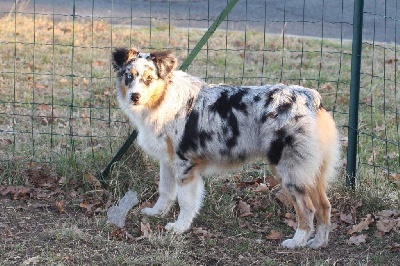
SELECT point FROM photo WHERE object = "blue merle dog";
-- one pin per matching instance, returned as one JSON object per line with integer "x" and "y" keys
{"x": 194, "y": 129}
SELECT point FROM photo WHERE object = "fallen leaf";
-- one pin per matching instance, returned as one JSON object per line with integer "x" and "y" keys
{"x": 263, "y": 188}
{"x": 291, "y": 223}
{"x": 282, "y": 197}
{"x": 388, "y": 214}
{"x": 145, "y": 229}
{"x": 363, "y": 225}
{"x": 43, "y": 107}
{"x": 274, "y": 235}
{"x": 17, "y": 192}
{"x": 244, "y": 209}
{"x": 385, "y": 226}
{"x": 395, "y": 247}
{"x": 357, "y": 240}
{"x": 347, "y": 218}
{"x": 60, "y": 206}
{"x": 93, "y": 180}
{"x": 272, "y": 182}
{"x": 33, "y": 260}
{"x": 201, "y": 233}
{"x": 122, "y": 234}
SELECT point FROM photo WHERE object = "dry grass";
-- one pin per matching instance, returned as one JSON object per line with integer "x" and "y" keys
{"x": 57, "y": 106}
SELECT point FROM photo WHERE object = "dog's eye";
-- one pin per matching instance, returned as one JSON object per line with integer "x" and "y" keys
{"x": 128, "y": 79}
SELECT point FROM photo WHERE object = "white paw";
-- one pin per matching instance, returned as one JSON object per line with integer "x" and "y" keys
{"x": 151, "y": 211}
{"x": 177, "y": 227}
{"x": 291, "y": 243}
{"x": 316, "y": 243}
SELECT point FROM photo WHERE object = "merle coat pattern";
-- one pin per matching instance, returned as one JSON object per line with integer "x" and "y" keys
{"x": 195, "y": 129}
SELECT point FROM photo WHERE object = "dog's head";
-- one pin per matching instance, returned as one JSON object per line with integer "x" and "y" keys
{"x": 143, "y": 76}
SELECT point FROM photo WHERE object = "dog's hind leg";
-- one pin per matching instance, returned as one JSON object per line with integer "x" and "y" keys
{"x": 167, "y": 189}
{"x": 305, "y": 215}
{"x": 322, "y": 213}
{"x": 190, "y": 198}
{"x": 329, "y": 144}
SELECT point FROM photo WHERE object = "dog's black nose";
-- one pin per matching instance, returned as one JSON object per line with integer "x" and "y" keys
{"x": 135, "y": 97}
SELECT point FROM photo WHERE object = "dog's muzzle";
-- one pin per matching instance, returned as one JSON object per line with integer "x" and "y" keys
{"x": 135, "y": 97}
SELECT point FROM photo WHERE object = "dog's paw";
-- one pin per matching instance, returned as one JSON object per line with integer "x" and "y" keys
{"x": 152, "y": 212}
{"x": 291, "y": 243}
{"x": 177, "y": 227}
{"x": 317, "y": 243}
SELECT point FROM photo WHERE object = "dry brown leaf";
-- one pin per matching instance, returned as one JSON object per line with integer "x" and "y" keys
{"x": 93, "y": 180}
{"x": 385, "y": 226}
{"x": 43, "y": 107}
{"x": 145, "y": 229}
{"x": 347, "y": 218}
{"x": 357, "y": 240}
{"x": 274, "y": 235}
{"x": 60, "y": 206}
{"x": 272, "y": 182}
{"x": 291, "y": 223}
{"x": 363, "y": 225}
{"x": 17, "y": 192}
{"x": 282, "y": 197}
{"x": 263, "y": 188}
{"x": 244, "y": 209}
{"x": 395, "y": 178}
{"x": 395, "y": 247}
{"x": 201, "y": 233}
{"x": 388, "y": 214}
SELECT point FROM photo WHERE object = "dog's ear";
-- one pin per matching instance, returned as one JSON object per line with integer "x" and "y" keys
{"x": 121, "y": 55}
{"x": 166, "y": 63}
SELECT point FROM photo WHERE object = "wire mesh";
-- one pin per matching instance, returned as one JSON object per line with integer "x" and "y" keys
{"x": 57, "y": 100}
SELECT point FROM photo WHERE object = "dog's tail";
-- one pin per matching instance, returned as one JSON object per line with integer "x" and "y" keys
{"x": 328, "y": 137}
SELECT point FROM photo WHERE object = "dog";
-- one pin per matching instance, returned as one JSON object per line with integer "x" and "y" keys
{"x": 194, "y": 129}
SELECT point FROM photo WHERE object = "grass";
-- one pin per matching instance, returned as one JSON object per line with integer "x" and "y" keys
{"x": 58, "y": 108}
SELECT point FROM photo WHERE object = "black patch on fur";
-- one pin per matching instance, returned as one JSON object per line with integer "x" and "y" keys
{"x": 193, "y": 138}
{"x": 270, "y": 97}
{"x": 120, "y": 55}
{"x": 266, "y": 116}
{"x": 224, "y": 106}
{"x": 233, "y": 123}
{"x": 298, "y": 117}
{"x": 187, "y": 170}
{"x": 165, "y": 62}
{"x": 128, "y": 79}
{"x": 274, "y": 153}
{"x": 257, "y": 98}
{"x": 283, "y": 108}
{"x": 189, "y": 105}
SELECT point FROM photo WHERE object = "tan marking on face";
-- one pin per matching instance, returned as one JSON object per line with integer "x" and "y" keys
{"x": 132, "y": 53}
{"x": 123, "y": 89}
{"x": 157, "y": 91}
{"x": 170, "y": 147}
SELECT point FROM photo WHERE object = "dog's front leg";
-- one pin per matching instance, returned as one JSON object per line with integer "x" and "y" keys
{"x": 190, "y": 198}
{"x": 167, "y": 189}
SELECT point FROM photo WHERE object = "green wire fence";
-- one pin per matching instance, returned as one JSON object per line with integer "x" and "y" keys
{"x": 57, "y": 100}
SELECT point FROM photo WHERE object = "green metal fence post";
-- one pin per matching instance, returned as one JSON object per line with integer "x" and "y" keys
{"x": 354, "y": 93}
{"x": 104, "y": 174}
